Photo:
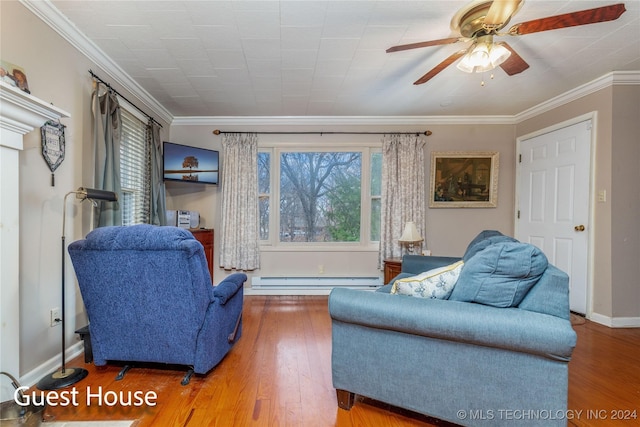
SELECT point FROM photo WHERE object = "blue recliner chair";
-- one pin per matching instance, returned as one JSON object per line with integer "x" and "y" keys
{"x": 149, "y": 298}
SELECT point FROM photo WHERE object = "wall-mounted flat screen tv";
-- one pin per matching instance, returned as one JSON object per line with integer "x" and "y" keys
{"x": 190, "y": 164}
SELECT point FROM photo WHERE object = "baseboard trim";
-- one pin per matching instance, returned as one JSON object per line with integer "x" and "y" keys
{"x": 32, "y": 377}
{"x": 615, "y": 322}
{"x": 248, "y": 291}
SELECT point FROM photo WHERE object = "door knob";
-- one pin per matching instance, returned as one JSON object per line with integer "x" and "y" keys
{"x": 579, "y": 227}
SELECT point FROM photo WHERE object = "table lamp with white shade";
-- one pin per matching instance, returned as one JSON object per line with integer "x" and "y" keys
{"x": 410, "y": 236}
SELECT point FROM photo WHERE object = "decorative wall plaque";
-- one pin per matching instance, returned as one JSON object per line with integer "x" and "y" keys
{"x": 53, "y": 145}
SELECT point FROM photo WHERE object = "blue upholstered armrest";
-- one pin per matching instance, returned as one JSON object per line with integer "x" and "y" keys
{"x": 508, "y": 328}
{"x": 229, "y": 287}
{"x": 416, "y": 264}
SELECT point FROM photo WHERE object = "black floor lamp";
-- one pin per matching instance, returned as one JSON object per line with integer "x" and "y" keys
{"x": 64, "y": 377}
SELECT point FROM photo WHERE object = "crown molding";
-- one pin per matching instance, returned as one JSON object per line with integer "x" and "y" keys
{"x": 610, "y": 79}
{"x": 335, "y": 121}
{"x": 51, "y": 16}
{"x": 626, "y": 77}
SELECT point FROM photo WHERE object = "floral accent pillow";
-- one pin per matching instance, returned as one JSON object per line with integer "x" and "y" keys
{"x": 435, "y": 284}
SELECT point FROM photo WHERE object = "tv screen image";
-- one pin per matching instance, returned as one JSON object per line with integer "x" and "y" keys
{"x": 190, "y": 164}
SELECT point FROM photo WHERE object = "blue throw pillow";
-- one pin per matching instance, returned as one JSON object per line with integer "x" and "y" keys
{"x": 500, "y": 275}
{"x": 483, "y": 240}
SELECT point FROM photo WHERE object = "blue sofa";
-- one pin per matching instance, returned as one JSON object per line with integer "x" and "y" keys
{"x": 495, "y": 353}
{"x": 149, "y": 298}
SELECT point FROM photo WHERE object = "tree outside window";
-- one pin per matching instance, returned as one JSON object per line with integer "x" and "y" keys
{"x": 320, "y": 196}
{"x": 264, "y": 192}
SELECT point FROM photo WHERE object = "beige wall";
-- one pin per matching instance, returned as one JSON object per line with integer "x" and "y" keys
{"x": 616, "y": 234}
{"x": 448, "y": 230}
{"x": 625, "y": 202}
{"x": 56, "y": 73}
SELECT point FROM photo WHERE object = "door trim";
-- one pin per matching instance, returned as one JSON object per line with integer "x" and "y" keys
{"x": 592, "y": 223}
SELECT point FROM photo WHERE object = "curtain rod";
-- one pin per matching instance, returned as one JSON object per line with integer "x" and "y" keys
{"x": 426, "y": 132}
{"x": 122, "y": 96}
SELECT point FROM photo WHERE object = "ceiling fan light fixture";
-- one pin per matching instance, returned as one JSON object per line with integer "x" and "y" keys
{"x": 476, "y": 60}
{"x": 484, "y": 56}
{"x": 498, "y": 54}
{"x": 465, "y": 65}
{"x": 481, "y": 20}
{"x": 479, "y": 55}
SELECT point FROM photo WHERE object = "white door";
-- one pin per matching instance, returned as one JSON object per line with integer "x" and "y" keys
{"x": 553, "y": 194}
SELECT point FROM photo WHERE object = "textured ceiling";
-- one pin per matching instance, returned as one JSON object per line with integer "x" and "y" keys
{"x": 327, "y": 58}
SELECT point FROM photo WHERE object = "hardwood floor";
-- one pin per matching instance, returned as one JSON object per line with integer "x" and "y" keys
{"x": 279, "y": 374}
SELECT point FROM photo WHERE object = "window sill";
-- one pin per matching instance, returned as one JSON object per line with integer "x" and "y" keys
{"x": 320, "y": 248}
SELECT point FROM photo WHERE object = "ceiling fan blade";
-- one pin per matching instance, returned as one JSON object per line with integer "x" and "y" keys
{"x": 583, "y": 17}
{"x": 441, "y": 66}
{"x": 500, "y": 12}
{"x": 424, "y": 44}
{"x": 514, "y": 64}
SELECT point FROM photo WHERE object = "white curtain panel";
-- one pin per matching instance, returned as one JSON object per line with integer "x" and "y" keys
{"x": 403, "y": 191}
{"x": 239, "y": 247}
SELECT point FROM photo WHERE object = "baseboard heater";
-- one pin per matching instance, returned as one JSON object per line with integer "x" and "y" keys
{"x": 314, "y": 282}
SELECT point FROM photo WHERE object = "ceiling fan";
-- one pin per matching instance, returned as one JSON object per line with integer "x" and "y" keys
{"x": 481, "y": 20}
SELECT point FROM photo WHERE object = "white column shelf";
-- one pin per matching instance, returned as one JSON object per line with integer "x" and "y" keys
{"x": 20, "y": 113}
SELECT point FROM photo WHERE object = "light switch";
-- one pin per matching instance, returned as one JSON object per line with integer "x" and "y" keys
{"x": 602, "y": 196}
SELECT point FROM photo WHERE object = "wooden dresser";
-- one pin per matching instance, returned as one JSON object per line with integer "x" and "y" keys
{"x": 392, "y": 267}
{"x": 205, "y": 236}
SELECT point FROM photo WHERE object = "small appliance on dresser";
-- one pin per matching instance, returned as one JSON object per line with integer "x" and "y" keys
{"x": 183, "y": 219}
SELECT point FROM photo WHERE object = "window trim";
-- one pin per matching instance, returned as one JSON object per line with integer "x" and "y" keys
{"x": 273, "y": 244}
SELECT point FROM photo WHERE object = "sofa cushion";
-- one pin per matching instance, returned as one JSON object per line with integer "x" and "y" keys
{"x": 501, "y": 274}
{"x": 437, "y": 283}
{"x": 483, "y": 240}
{"x": 550, "y": 295}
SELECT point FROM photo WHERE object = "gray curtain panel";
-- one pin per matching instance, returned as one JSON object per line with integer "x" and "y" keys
{"x": 158, "y": 214}
{"x": 107, "y": 130}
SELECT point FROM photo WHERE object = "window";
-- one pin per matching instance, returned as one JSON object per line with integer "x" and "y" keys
{"x": 321, "y": 196}
{"x": 375, "y": 195}
{"x": 264, "y": 196}
{"x": 135, "y": 170}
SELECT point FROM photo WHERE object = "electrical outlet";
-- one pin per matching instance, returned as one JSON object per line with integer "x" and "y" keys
{"x": 320, "y": 269}
{"x": 56, "y": 317}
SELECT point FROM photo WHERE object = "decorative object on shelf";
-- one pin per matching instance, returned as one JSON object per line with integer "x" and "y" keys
{"x": 464, "y": 179}
{"x": 410, "y": 236}
{"x": 64, "y": 377}
{"x": 21, "y": 410}
{"x": 52, "y": 134}
{"x": 14, "y": 75}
